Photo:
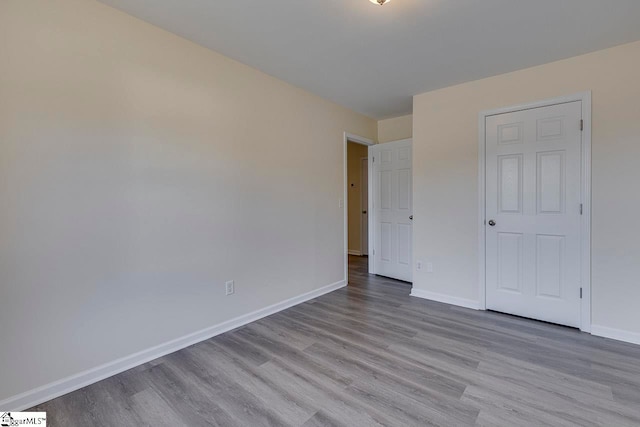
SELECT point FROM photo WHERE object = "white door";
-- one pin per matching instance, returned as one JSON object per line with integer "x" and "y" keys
{"x": 533, "y": 208}
{"x": 364, "y": 205}
{"x": 393, "y": 209}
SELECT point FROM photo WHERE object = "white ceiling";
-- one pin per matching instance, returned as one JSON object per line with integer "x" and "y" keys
{"x": 373, "y": 59}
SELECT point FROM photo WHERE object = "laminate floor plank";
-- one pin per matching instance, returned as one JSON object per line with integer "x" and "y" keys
{"x": 345, "y": 316}
{"x": 384, "y": 361}
{"x": 278, "y": 399}
{"x": 321, "y": 419}
{"x": 331, "y": 398}
{"x": 400, "y": 365}
{"x": 152, "y": 409}
{"x": 344, "y": 325}
{"x": 371, "y": 355}
{"x": 296, "y": 358}
{"x": 547, "y": 394}
{"x": 293, "y": 338}
{"x": 432, "y": 400}
{"x": 191, "y": 397}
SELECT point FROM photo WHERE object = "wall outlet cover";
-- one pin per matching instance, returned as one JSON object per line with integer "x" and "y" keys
{"x": 230, "y": 287}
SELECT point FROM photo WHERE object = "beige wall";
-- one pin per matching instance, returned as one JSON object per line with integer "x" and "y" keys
{"x": 138, "y": 172}
{"x": 446, "y": 175}
{"x": 395, "y": 129}
{"x": 355, "y": 153}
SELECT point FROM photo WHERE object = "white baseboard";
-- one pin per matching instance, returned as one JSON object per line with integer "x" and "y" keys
{"x": 433, "y": 296}
{"x": 352, "y": 252}
{"x": 66, "y": 385}
{"x": 616, "y": 334}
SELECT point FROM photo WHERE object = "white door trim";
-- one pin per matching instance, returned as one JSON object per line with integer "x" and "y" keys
{"x": 585, "y": 258}
{"x": 349, "y": 137}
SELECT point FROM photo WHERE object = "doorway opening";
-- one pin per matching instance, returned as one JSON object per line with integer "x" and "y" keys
{"x": 378, "y": 214}
{"x": 356, "y": 201}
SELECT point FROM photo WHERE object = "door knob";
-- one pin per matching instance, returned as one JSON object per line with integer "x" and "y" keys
{"x": 492, "y": 223}
{"x": 411, "y": 217}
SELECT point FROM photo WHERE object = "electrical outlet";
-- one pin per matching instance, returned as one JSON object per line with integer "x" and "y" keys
{"x": 429, "y": 267}
{"x": 230, "y": 287}
{"x": 419, "y": 265}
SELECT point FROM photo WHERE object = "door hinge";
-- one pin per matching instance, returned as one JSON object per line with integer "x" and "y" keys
{"x": 580, "y": 293}
{"x": 580, "y": 208}
{"x": 373, "y": 160}
{"x": 374, "y": 251}
{"x": 581, "y": 124}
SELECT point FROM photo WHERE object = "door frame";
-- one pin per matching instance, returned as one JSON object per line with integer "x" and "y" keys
{"x": 350, "y": 137}
{"x": 364, "y": 248}
{"x": 585, "y": 226}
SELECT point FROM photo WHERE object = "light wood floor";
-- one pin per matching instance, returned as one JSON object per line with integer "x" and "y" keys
{"x": 371, "y": 355}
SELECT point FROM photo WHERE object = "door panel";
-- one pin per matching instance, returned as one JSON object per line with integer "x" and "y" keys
{"x": 404, "y": 244}
{"x": 404, "y": 189}
{"x": 550, "y": 188}
{"x": 549, "y": 260}
{"x": 386, "y": 238}
{"x": 393, "y": 208}
{"x": 386, "y": 190}
{"x": 510, "y": 189}
{"x": 533, "y": 195}
{"x": 510, "y": 261}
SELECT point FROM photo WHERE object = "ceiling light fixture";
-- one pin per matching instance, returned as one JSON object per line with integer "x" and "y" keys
{"x": 380, "y": 2}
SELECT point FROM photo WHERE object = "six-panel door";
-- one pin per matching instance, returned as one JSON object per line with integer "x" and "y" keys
{"x": 393, "y": 209}
{"x": 533, "y": 193}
